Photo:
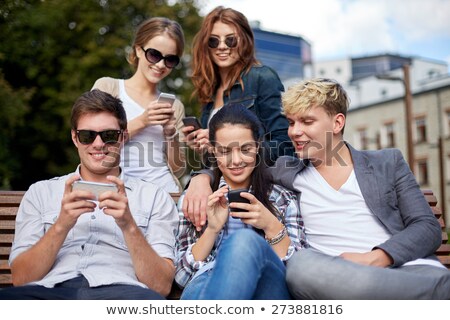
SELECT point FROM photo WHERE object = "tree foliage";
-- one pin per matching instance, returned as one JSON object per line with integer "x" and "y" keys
{"x": 51, "y": 52}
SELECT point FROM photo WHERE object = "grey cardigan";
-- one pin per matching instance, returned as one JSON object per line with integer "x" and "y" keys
{"x": 391, "y": 193}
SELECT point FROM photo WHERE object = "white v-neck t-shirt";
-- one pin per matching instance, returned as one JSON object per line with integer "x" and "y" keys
{"x": 337, "y": 221}
{"x": 143, "y": 155}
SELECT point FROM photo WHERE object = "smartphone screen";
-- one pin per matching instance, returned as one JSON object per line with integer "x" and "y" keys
{"x": 166, "y": 98}
{"x": 235, "y": 196}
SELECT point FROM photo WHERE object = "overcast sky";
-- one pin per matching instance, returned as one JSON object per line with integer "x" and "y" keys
{"x": 344, "y": 28}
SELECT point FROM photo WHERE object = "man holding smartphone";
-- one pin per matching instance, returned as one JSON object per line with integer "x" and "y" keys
{"x": 70, "y": 245}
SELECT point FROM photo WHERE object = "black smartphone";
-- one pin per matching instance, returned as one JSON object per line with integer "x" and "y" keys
{"x": 192, "y": 121}
{"x": 235, "y": 196}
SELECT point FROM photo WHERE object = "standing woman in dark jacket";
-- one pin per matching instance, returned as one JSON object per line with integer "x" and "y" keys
{"x": 225, "y": 71}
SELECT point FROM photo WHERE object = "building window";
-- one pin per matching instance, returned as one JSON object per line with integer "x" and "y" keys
{"x": 322, "y": 72}
{"x": 422, "y": 171}
{"x": 390, "y": 135}
{"x": 378, "y": 140}
{"x": 363, "y": 139}
{"x": 447, "y": 164}
{"x": 383, "y": 93}
{"x": 447, "y": 124}
{"x": 421, "y": 130}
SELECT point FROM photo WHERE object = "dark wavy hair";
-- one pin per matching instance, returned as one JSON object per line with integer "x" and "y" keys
{"x": 237, "y": 115}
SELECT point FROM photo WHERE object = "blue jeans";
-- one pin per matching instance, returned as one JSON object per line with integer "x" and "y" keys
{"x": 78, "y": 289}
{"x": 314, "y": 275}
{"x": 246, "y": 268}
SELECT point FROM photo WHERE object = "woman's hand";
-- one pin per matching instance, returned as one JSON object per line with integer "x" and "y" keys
{"x": 197, "y": 140}
{"x": 256, "y": 215}
{"x": 217, "y": 210}
{"x": 157, "y": 113}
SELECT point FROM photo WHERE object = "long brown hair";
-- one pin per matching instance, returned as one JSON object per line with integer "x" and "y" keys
{"x": 205, "y": 75}
{"x": 153, "y": 27}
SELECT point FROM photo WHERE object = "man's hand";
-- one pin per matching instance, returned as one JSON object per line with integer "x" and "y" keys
{"x": 196, "y": 199}
{"x": 115, "y": 204}
{"x": 73, "y": 205}
{"x": 376, "y": 258}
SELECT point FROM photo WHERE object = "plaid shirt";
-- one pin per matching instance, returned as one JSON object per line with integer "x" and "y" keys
{"x": 283, "y": 200}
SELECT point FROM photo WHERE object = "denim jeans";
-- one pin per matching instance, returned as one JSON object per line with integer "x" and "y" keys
{"x": 314, "y": 275}
{"x": 78, "y": 289}
{"x": 246, "y": 268}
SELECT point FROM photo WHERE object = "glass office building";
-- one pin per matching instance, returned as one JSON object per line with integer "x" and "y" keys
{"x": 289, "y": 55}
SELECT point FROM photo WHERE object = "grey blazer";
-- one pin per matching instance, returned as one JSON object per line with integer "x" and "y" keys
{"x": 391, "y": 193}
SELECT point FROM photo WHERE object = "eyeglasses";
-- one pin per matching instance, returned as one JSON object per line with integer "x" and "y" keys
{"x": 154, "y": 56}
{"x": 230, "y": 42}
{"x": 89, "y": 136}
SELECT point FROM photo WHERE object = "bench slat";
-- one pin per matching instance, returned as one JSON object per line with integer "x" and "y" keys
{"x": 443, "y": 250}
{"x": 7, "y": 225}
{"x": 5, "y": 251}
{"x": 6, "y": 239}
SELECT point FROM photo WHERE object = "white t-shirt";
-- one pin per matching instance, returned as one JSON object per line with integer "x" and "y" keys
{"x": 338, "y": 221}
{"x": 143, "y": 155}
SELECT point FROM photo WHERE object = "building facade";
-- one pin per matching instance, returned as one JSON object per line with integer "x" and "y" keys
{"x": 288, "y": 55}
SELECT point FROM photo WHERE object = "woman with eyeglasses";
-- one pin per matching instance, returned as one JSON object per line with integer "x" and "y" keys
{"x": 153, "y": 152}
{"x": 239, "y": 254}
{"x": 225, "y": 70}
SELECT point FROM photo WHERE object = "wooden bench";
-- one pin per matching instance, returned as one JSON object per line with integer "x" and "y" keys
{"x": 10, "y": 200}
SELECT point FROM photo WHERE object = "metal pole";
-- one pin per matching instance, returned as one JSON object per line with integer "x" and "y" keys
{"x": 408, "y": 114}
{"x": 441, "y": 179}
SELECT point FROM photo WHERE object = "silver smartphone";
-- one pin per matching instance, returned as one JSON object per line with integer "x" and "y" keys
{"x": 166, "y": 98}
{"x": 96, "y": 188}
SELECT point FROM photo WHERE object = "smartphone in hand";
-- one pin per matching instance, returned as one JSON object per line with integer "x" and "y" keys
{"x": 166, "y": 98}
{"x": 192, "y": 121}
{"x": 96, "y": 188}
{"x": 235, "y": 196}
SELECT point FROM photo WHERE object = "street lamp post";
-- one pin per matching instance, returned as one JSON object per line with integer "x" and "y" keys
{"x": 408, "y": 110}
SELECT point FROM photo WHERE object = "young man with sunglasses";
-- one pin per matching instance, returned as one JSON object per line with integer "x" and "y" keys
{"x": 154, "y": 151}
{"x": 71, "y": 245}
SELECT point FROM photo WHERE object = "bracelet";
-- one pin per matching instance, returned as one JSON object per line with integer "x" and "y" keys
{"x": 278, "y": 237}
{"x": 172, "y": 136}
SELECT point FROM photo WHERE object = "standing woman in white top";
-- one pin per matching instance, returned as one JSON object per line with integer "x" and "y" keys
{"x": 154, "y": 151}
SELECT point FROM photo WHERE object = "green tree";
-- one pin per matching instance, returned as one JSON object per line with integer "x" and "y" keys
{"x": 52, "y": 51}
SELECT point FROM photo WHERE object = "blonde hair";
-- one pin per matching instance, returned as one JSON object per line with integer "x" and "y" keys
{"x": 326, "y": 93}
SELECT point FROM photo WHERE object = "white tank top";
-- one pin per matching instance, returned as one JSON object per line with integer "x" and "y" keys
{"x": 143, "y": 155}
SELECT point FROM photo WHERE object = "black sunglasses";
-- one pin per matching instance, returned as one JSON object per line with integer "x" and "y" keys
{"x": 230, "y": 42}
{"x": 108, "y": 136}
{"x": 154, "y": 56}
